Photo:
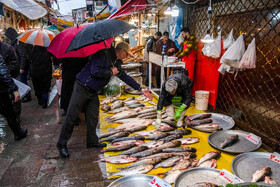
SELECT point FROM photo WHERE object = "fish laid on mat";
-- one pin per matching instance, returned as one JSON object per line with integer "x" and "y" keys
{"x": 132, "y": 102}
{"x": 147, "y": 114}
{"x": 188, "y": 140}
{"x": 269, "y": 180}
{"x": 170, "y": 123}
{"x": 152, "y": 116}
{"x": 229, "y": 141}
{"x": 129, "y": 125}
{"x": 260, "y": 174}
{"x": 123, "y": 115}
{"x": 152, "y": 103}
{"x": 118, "y": 110}
{"x": 200, "y": 116}
{"x": 174, "y": 143}
{"x": 161, "y": 156}
{"x": 209, "y": 156}
{"x": 135, "y": 150}
{"x": 146, "y": 100}
{"x": 139, "y": 109}
{"x": 120, "y": 159}
{"x": 136, "y": 128}
{"x": 136, "y": 137}
{"x": 153, "y": 144}
{"x": 141, "y": 169}
{"x": 141, "y": 98}
{"x": 169, "y": 162}
{"x": 107, "y": 100}
{"x": 209, "y": 164}
{"x": 179, "y": 149}
{"x": 147, "y": 152}
{"x": 129, "y": 99}
{"x": 165, "y": 128}
{"x": 117, "y": 104}
{"x": 136, "y": 142}
{"x": 156, "y": 136}
{"x": 118, "y": 148}
{"x": 109, "y": 133}
{"x": 142, "y": 162}
{"x": 136, "y": 120}
{"x": 105, "y": 107}
{"x": 171, "y": 137}
{"x": 146, "y": 133}
{"x": 148, "y": 110}
{"x": 135, "y": 105}
{"x": 114, "y": 136}
{"x": 211, "y": 127}
{"x": 181, "y": 132}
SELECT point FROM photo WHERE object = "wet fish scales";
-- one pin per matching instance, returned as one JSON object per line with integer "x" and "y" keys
{"x": 134, "y": 150}
{"x": 105, "y": 107}
{"x": 117, "y": 104}
{"x": 199, "y": 122}
{"x": 189, "y": 140}
{"x": 109, "y": 133}
{"x": 156, "y": 136}
{"x": 171, "y": 137}
{"x": 169, "y": 162}
{"x": 147, "y": 152}
{"x": 201, "y": 116}
{"x": 170, "y": 123}
{"x": 117, "y": 135}
{"x": 269, "y": 180}
{"x": 153, "y": 144}
{"x": 211, "y": 127}
{"x": 161, "y": 156}
{"x": 136, "y": 142}
{"x": 179, "y": 149}
{"x": 173, "y": 143}
{"x": 118, "y": 148}
{"x": 122, "y": 159}
{"x": 181, "y": 132}
{"x": 118, "y": 110}
{"x": 136, "y": 137}
{"x": 147, "y": 114}
{"x": 129, "y": 99}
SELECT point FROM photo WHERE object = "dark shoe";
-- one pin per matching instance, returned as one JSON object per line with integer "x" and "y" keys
{"x": 27, "y": 98}
{"x": 22, "y": 134}
{"x": 44, "y": 105}
{"x": 99, "y": 145}
{"x": 63, "y": 151}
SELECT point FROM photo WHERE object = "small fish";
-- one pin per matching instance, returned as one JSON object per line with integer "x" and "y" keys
{"x": 260, "y": 174}
{"x": 123, "y": 115}
{"x": 146, "y": 100}
{"x": 229, "y": 141}
{"x": 134, "y": 150}
{"x": 165, "y": 128}
{"x": 142, "y": 162}
{"x": 127, "y": 126}
{"x": 209, "y": 156}
{"x": 169, "y": 162}
{"x": 179, "y": 149}
{"x": 171, "y": 137}
{"x": 184, "y": 164}
{"x": 185, "y": 154}
{"x": 128, "y": 120}
{"x": 173, "y": 143}
{"x": 199, "y": 122}
{"x": 105, "y": 107}
{"x": 132, "y": 102}
{"x": 139, "y": 109}
{"x": 136, "y": 137}
{"x": 141, "y": 98}
{"x": 153, "y": 144}
{"x": 118, "y": 110}
{"x": 117, "y": 104}
{"x": 147, "y": 114}
{"x": 129, "y": 99}
{"x": 117, "y": 135}
{"x": 188, "y": 140}
{"x": 118, "y": 148}
{"x": 109, "y": 133}
{"x": 269, "y": 180}
{"x": 135, "y": 105}
{"x": 200, "y": 116}
{"x": 122, "y": 159}
{"x": 107, "y": 100}
{"x": 156, "y": 136}
{"x": 209, "y": 164}
{"x": 154, "y": 116}
{"x": 147, "y": 152}
{"x": 141, "y": 169}
{"x": 136, "y": 128}
{"x": 181, "y": 132}
{"x": 152, "y": 103}
{"x": 161, "y": 156}
{"x": 148, "y": 110}
{"x": 136, "y": 142}
{"x": 170, "y": 123}
{"x": 211, "y": 127}
{"x": 146, "y": 133}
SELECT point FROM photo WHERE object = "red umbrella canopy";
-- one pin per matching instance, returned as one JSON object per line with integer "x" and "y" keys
{"x": 61, "y": 42}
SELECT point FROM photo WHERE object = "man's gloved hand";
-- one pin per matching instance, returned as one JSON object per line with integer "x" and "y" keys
{"x": 158, "y": 120}
{"x": 179, "y": 111}
{"x": 17, "y": 96}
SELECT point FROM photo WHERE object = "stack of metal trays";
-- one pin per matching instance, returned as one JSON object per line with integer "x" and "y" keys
{"x": 140, "y": 180}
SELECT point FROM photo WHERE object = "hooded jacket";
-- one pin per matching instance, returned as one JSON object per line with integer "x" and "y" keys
{"x": 7, "y": 84}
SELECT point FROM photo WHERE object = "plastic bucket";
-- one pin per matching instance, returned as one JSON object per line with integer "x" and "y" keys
{"x": 201, "y": 99}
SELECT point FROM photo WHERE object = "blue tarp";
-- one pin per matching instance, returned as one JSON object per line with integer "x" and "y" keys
{"x": 175, "y": 25}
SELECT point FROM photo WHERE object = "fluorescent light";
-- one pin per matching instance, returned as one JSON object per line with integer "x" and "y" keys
{"x": 168, "y": 11}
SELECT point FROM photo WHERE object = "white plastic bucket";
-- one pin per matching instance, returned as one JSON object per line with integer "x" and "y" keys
{"x": 201, "y": 99}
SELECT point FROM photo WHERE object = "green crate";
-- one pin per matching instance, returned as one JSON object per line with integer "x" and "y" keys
{"x": 176, "y": 101}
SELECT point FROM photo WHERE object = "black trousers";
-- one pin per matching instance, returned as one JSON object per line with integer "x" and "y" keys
{"x": 81, "y": 98}
{"x": 41, "y": 84}
{"x": 6, "y": 109}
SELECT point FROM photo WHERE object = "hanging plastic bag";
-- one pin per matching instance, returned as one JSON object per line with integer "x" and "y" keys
{"x": 234, "y": 53}
{"x": 229, "y": 40}
{"x": 206, "y": 50}
{"x": 113, "y": 88}
{"x": 249, "y": 58}
{"x": 216, "y": 47}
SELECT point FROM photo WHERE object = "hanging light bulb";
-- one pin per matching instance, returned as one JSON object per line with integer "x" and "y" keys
{"x": 207, "y": 39}
{"x": 168, "y": 11}
{"x": 175, "y": 11}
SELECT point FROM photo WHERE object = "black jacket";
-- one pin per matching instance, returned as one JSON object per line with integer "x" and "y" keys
{"x": 7, "y": 84}
{"x": 184, "y": 90}
{"x": 10, "y": 59}
{"x": 151, "y": 43}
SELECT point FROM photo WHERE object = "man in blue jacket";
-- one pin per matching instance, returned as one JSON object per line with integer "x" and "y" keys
{"x": 95, "y": 75}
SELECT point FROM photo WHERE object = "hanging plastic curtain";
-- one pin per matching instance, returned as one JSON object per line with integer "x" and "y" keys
{"x": 175, "y": 25}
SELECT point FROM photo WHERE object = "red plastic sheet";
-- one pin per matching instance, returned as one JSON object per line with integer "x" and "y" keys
{"x": 207, "y": 75}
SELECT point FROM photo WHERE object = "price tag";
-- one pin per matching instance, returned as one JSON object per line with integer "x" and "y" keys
{"x": 227, "y": 118}
{"x": 275, "y": 157}
{"x": 158, "y": 182}
{"x": 230, "y": 177}
{"x": 253, "y": 138}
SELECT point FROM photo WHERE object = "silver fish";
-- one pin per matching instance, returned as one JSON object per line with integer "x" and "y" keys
{"x": 169, "y": 162}
{"x": 171, "y": 137}
{"x": 118, "y": 148}
{"x": 134, "y": 150}
{"x": 136, "y": 137}
{"x": 141, "y": 98}
{"x": 147, "y": 152}
{"x": 165, "y": 128}
{"x": 209, "y": 156}
{"x": 146, "y": 100}
{"x": 184, "y": 163}
{"x": 134, "y": 120}
{"x": 153, "y": 116}
{"x": 136, "y": 142}
{"x": 136, "y": 128}
{"x": 109, "y": 133}
{"x": 148, "y": 110}
{"x": 132, "y": 102}
{"x": 156, "y": 136}
{"x": 117, "y": 104}
{"x": 260, "y": 174}
{"x": 170, "y": 123}
{"x": 179, "y": 149}
{"x": 269, "y": 180}
{"x": 200, "y": 116}
{"x": 153, "y": 144}
{"x": 209, "y": 164}
{"x": 107, "y": 100}
{"x": 173, "y": 143}
{"x": 117, "y": 135}
{"x": 146, "y": 133}
{"x": 189, "y": 140}
{"x": 229, "y": 141}
{"x": 199, "y": 122}
{"x": 135, "y": 105}
{"x": 142, "y": 162}
{"x": 161, "y": 156}
{"x": 129, "y": 99}
{"x": 141, "y": 169}
{"x": 181, "y": 132}
{"x": 211, "y": 127}
{"x": 152, "y": 103}
{"x": 105, "y": 107}
{"x": 118, "y": 110}
{"x": 123, "y": 115}
{"x": 139, "y": 109}
{"x": 147, "y": 114}
{"x": 127, "y": 126}
{"x": 120, "y": 159}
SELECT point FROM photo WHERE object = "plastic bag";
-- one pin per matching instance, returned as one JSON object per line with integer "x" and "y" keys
{"x": 234, "y": 53}
{"x": 229, "y": 40}
{"x": 22, "y": 88}
{"x": 216, "y": 47}
{"x": 58, "y": 85}
{"x": 206, "y": 50}
{"x": 249, "y": 58}
{"x": 113, "y": 88}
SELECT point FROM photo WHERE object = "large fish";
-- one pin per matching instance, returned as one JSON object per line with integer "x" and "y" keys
{"x": 156, "y": 136}
{"x": 123, "y": 115}
{"x": 135, "y": 105}
{"x": 147, "y": 114}
{"x": 120, "y": 159}
{"x": 260, "y": 174}
{"x": 134, "y": 150}
{"x": 105, "y": 107}
{"x": 141, "y": 98}
{"x": 148, "y": 110}
{"x": 184, "y": 164}
{"x": 141, "y": 169}
{"x": 152, "y": 116}
{"x": 200, "y": 116}
{"x": 109, "y": 133}
{"x": 117, "y": 104}
{"x": 132, "y": 102}
{"x": 146, "y": 133}
{"x": 269, "y": 180}
{"x": 136, "y": 137}
{"x": 229, "y": 141}
{"x": 181, "y": 132}
{"x": 136, "y": 128}
{"x": 179, "y": 149}
{"x": 134, "y": 120}
{"x": 209, "y": 164}
{"x": 129, "y": 99}
{"x": 211, "y": 127}
{"x": 117, "y": 135}
{"x": 185, "y": 154}
{"x": 118, "y": 148}
{"x": 188, "y": 140}
{"x": 127, "y": 126}
{"x": 136, "y": 142}
{"x": 171, "y": 137}
{"x": 173, "y": 143}
{"x": 153, "y": 144}
{"x": 139, "y": 109}
{"x": 199, "y": 122}
{"x": 170, "y": 123}
{"x": 152, "y": 103}
{"x": 142, "y": 162}
{"x": 107, "y": 100}
{"x": 169, "y": 162}
{"x": 161, "y": 156}
{"x": 165, "y": 128}
{"x": 209, "y": 156}
{"x": 118, "y": 110}
{"x": 147, "y": 152}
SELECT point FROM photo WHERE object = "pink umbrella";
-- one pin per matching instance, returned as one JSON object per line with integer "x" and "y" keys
{"x": 61, "y": 42}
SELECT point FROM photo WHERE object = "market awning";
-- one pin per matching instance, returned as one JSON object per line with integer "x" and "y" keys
{"x": 128, "y": 8}
{"x": 29, "y": 8}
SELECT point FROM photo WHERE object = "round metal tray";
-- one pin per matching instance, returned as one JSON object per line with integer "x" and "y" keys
{"x": 225, "y": 122}
{"x": 140, "y": 180}
{"x": 245, "y": 165}
{"x": 241, "y": 146}
{"x": 196, "y": 175}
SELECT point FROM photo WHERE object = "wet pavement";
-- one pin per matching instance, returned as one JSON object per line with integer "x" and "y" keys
{"x": 35, "y": 161}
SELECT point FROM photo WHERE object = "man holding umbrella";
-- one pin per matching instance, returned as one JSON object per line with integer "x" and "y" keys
{"x": 94, "y": 76}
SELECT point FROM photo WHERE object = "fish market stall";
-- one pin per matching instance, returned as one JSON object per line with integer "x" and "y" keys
{"x": 131, "y": 139}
